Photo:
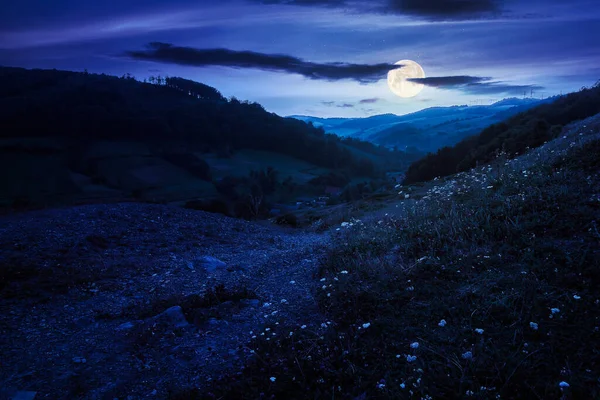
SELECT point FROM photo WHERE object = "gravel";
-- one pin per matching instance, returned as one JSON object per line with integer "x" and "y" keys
{"x": 90, "y": 283}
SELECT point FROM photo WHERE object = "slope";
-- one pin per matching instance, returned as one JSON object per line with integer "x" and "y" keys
{"x": 486, "y": 285}
{"x": 509, "y": 138}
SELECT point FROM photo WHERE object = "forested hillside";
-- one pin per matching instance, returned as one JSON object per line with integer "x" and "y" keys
{"x": 82, "y": 106}
{"x": 98, "y": 137}
{"x": 512, "y": 137}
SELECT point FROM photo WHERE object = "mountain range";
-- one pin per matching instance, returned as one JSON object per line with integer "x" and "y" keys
{"x": 426, "y": 130}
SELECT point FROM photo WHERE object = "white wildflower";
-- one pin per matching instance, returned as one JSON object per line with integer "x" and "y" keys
{"x": 343, "y": 272}
{"x": 273, "y": 379}
{"x": 442, "y": 323}
{"x": 576, "y": 297}
{"x": 410, "y": 358}
{"x": 303, "y": 327}
{"x": 554, "y": 310}
{"x": 467, "y": 356}
{"x": 292, "y": 282}
{"x": 563, "y": 384}
{"x": 266, "y": 304}
{"x": 414, "y": 345}
{"x": 479, "y": 330}
{"x": 533, "y": 326}
{"x": 323, "y": 279}
{"x": 366, "y": 325}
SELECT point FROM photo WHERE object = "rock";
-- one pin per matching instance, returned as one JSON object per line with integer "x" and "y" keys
{"x": 172, "y": 316}
{"x": 211, "y": 264}
{"x": 250, "y": 302}
{"x": 125, "y": 326}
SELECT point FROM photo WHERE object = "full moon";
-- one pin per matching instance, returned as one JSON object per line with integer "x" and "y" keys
{"x": 397, "y": 79}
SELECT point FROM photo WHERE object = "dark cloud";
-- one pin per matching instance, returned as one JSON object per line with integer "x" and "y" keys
{"x": 328, "y": 103}
{"x": 320, "y": 3}
{"x": 446, "y": 81}
{"x": 345, "y": 105}
{"x": 474, "y": 84}
{"x": 370, "y": 101}
{"x": 499, "y": 88}
{"x": 429, "y": 9}
{"x": 170, "y": 54}
{"x": 444, "y": 9}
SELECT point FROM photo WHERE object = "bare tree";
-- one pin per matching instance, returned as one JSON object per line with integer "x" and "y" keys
{"x": 254, "y": 204}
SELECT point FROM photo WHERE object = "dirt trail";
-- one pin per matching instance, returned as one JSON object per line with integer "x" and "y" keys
{"x": 83, "y": 288}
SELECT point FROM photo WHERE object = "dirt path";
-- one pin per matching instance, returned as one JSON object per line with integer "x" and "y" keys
{"x": 83, "y": 294}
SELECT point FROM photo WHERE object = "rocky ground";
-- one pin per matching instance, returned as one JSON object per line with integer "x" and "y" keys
{"x": 133, "y": 300}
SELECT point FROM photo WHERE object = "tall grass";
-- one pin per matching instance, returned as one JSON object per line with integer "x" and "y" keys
{"x": 487, "y": 287}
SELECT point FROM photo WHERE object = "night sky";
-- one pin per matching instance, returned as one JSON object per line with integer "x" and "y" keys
{"x": 317, "y": 57}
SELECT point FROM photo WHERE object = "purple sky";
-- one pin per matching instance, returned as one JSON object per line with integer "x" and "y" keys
{"x": 318, "y": 57}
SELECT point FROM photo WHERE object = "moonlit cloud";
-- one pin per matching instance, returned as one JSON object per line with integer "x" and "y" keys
{"x": 474, "y": 85}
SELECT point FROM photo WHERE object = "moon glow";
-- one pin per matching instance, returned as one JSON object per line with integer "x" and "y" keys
{"x": 397, "y": 79}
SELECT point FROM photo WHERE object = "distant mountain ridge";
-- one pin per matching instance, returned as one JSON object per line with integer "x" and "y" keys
{"x": 425, "y": 130}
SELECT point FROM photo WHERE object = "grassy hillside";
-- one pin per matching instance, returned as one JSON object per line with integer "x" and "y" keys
{"x": 486, "y": 287}
{"x": 509, "y": 138}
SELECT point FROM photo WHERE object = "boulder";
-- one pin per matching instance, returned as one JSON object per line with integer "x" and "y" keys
{"x": 211, "y": 264}
{"x": 173, "y": 317}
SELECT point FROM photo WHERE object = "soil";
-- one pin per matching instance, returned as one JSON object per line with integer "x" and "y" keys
{"x": 84, "y": 290}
